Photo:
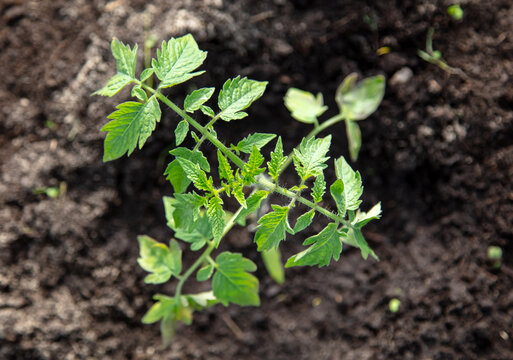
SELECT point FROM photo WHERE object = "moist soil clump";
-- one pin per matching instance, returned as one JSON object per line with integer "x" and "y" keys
{"x": 438, "y": 153}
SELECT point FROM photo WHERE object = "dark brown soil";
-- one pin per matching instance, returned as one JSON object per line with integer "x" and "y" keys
{"x": 438, "y": 154}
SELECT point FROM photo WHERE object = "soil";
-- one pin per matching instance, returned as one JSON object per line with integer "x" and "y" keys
{"x": 438, "y": 153}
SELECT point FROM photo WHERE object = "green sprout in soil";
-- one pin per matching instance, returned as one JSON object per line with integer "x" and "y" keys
{"x": 435, "y": 56}
{"x": 200, "y": 217}
{"x": 494, "y": 254}
{"x": 393, "y": 305}
{"x": 455, "y": 11}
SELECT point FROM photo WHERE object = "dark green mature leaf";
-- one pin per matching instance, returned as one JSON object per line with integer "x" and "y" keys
{"x": 252, "y": 204}
{"x": 272, "y": 227}
{"x": 257, "y": 139}
{"x": 354, "y": 138}
{"x": 181, "y": 132}
{"x": 310, "y": 158}
{"x": 238, "y": 94}
{"x": 216, "y": 216}
{"x": 337, "y": 193}
{"x": 353, "y": 188}
{"x": 160, "y": 260}
{"x": 252, "y": 167}
{"x": 359, "y": 100}
{"x": 125, "y": 61}
{"x": 319, "y": 187}
{"x": 232, "y": 283}
{"x": 197, "y": 98}
{"x": 304, "y": 106}
{"x": 324, "y": 246}
{"x": 176, "y": 59}
{"x": 304, "y": 221}
{"x": 196, "y": 175}
{"x": 277, "y": 160}
{"x": 132, "y": 123}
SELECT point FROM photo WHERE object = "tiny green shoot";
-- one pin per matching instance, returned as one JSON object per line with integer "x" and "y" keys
{"x": 455, "y": 11}
{"x": 394, "y": 305}
{"x": 435, "y": 56}
{"x": 494, "y": 254}
{"x": 249, "y": 172}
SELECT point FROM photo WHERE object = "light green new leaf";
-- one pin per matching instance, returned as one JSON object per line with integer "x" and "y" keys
{"x": 176, "y": 59}
{"x": 362, "y": 217}
{"x": 225, "y": 170}
{"x": 252, "y": 204}
{"x": 174, "y": 172}
{"x": 277, "y": 160}
{"x": 139, "y": 93}
{"x": 133, "y": 122}
{"x": 337, "y": 193}
{"x": 238, "y": 193}
{"x": 272, "y": 227}
{"x": 252, "y": 167}
{"x": 197, "y": 98}
{"x": 207, "y": 111}
{"x": 161, "y": 309}
{"x": 160, "y": 260}
{"x": 273, "y": 264}
{"x": 310, "y": 158}
{"x": 354, "y": 138}
{"x": 196, "y": 175}
{"x": 259, "y": 140}
{"x": 319, "y": 187}
{"x": 357, "y": 101}
{"x": 355, "y": 236}
{"x": 353, "y": 188}
{"x": 304, "y": 221}
{"x": 181, "y": 132}
{"x": 125, "y": 62}
{"x": 232, "y": 283}
{"x": 304, "y": 106}
{"x": 146, "y": 73}
{"x": 205, "y": 272}
{"x": 216, "y": 216}
{"x": 324, "y": 246}
{"x": 238, "y": 94}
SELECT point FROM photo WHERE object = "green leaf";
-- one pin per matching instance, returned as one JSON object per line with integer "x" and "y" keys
{"x": 196, "y": 175}
{"x": 273, "y": 264}
{"x": 310, "y": 158}
{"x": 174, "y": 172}
{"x": 259, "y": 140}
{"x": 197, "y": 98}
{"x": 205, "y": 272}
{"x": 357, "y": 101}
{"x": 139, "y": 93}
{"x": 239, "y": 194}
{"x": 252, "y": 204}
{"x": 232, "y": 283}
{"x": 277, "y": 160}
{"x": 207, "y": 111}
{"x": 216, "y": 216}
{"x": 337, "y": 193}
{"x": 319, "y": 187}
{"x": 304, "y": 106}
{"x": 183, "y": 210}
{"x": 362, "y": 218}
{"x": 238, "y": 94}
{"x": 181, "y": 131}
{"x": 225, "y": 170}
{"x": 353, "y": 188}
{"x": 324, "y": 246}
{"x": 176, "y": 59}
{"x": 252, "y": 167}
{"x": 304, "y": 221}
{"x": 133, "y": 122}
{"x": 355, "y": 236}
{"x": 354, "y": 138}
{"x": 145, "y": 75}
{"x": 125, "y": 62}
{"x": 272, "y": 227}
{"x": 162, "y": 308}
{"x": 197, "y": 233}
{"x": 160, "y": 260}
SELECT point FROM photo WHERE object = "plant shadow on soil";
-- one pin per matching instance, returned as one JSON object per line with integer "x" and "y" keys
{"x": 438, "y": 154}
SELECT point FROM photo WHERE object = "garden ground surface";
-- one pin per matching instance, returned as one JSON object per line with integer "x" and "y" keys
{"x": 438, "y": 153}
